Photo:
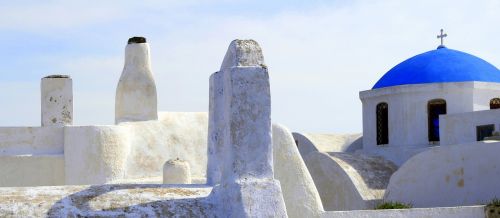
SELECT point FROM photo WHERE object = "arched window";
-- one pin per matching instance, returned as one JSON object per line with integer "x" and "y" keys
{"x": 495, "y": 103}
{"x": 435, "y": 108}
{"x": 382, "y": 124}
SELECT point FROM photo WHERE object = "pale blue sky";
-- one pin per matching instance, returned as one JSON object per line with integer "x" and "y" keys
{"x": 320, "y": 53}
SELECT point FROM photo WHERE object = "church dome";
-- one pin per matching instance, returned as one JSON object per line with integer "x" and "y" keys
{"x": 440, "y": 66}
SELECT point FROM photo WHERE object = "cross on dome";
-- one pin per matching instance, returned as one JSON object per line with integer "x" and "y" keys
{"x": 441, "y": 36}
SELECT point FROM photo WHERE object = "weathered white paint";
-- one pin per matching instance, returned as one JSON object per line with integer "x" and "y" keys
{"x": 461, "y": 128}
{"x": 57, "y": 100}
{"x": 299, "y": 192}
{"x": 348, "y": 181}
{"x": 437, "y": 212}
{"x": 31, "y": 170}
{"x": 408, "y": 108}
{"x": 31, "y": 140}
{"x": 247, "y": 188}
{"x": 215, "y": 129}
{"x": 135, "y": 150}
{"x": 136, "y": 98}
{"x": 95, "y": 154}
{"x": 309, "y": 142}
{"x": 180, "y": 135}
{"x": 448, "y": 176}
{"x": 176, "y": 171}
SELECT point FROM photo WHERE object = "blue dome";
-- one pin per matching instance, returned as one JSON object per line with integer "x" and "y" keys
{"x": 440, "y": 66}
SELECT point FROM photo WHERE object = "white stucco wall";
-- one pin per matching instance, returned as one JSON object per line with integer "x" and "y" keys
{"x": 31, "y": 170}
{"x": 461, "y": 128}
{"x": 135, "y": 150}
{"x": 180, "y": 135}
{"x": 482, "y": 94}
{"x": 408, "y": 121}
{"x": 95, "y": 154}
{"x": 348, "y": 181}
{"x": 31, "y": 140}
{"x": 308, "y": 142}
{"x": 448, "y": 176}
{"x": 441, "y": 212}
{"x": 299, "y": 192}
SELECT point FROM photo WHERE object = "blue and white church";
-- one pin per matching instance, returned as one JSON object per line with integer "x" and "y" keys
{"x": 439, "y": 97}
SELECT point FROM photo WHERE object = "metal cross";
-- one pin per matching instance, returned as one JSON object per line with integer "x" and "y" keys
{"x": 442, "y": 36}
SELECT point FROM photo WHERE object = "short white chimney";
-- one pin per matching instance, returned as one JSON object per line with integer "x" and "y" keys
{"x": 57, "y": 100}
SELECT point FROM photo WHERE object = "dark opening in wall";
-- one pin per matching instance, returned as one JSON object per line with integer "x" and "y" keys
{"x": 435, "y": 108}
{"x": 484, "y": 131}
{"x": 382, "y": 123}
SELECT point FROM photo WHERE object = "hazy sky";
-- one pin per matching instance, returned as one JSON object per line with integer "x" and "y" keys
{"x": 320, "y": 54}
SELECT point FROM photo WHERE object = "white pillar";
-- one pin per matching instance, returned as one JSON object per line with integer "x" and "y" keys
{"x": 215, "y": 129}
{"x": 56, "y": 100}
{"x": 136, "y": 98}
{"x": 176, "y": 172}
{"x": 247, "y": 185}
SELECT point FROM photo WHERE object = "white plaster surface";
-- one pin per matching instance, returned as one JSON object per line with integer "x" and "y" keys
{"x": 136, "y": 98}
{"x": 31, "y": 170}
{"x": 216, "y": 129}
{"x": 243, "y": 53}
{"x": 180, "y": 135}
{"x": 136, "y": 150}
{"x": 57, "y": 101}
{"x": 349, "y": 181}
{"x": 95, "y": 154}
{"x": 247, "y": 187}
{"x": 176, "y": 172}
{"x": 408, "y": 108}
{"x": 308, "y": 142}
{"x": 448, "y": 176}
{"x": 299, "y": 192}
{"x": 461, "y": 128}
{"x": 437, "y": 212}
{"x": 31, "y": 140}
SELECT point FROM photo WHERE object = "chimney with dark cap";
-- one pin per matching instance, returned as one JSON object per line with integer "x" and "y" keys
{"x": 57, "y": 100}
{"x": 136, "y": 98}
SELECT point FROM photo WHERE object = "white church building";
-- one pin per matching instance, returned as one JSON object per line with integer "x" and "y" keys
{"x": 412, "y": 105}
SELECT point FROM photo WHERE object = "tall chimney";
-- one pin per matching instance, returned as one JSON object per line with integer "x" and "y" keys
{"x": 57, "y": 100}
{"x": 136, "y": 98}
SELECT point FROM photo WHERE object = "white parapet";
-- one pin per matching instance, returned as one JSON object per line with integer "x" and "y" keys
{"x": 136, "y": 98}
{"x": 57, "y": 100}
{"x": 176, "y": 171}
{"x": 247, "y": 186}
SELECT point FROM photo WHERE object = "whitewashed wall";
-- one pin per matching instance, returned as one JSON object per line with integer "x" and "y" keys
{"x": 309, "y": 142}
{"x": 31, "y": 156}
{"x": 134, "y": 150}
{"x": 461, "y": 128}
{"x": 31, "y": 140}
{"x": 348, "y": 181}
{"x": 448, "y": 176}
{"x": 299, "y": 192}
{"x": 441, "y": 212}
{"x": 408, "y": 110}
{"x": 31, "y": 170}
{"x": 483, "y": 93}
